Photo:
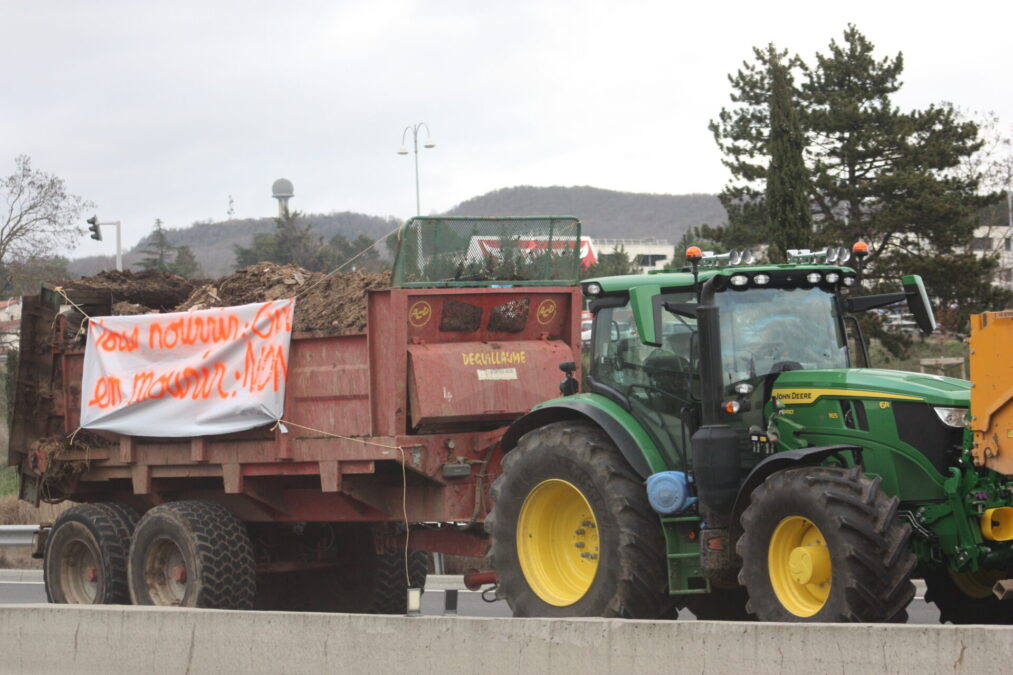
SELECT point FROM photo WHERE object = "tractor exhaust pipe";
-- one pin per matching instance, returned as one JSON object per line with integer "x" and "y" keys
{"x": 715, "y": 445}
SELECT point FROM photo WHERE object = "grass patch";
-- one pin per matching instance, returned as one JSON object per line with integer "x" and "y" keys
{"x": 8, "y": 481}
{"x": 924, "y": 348}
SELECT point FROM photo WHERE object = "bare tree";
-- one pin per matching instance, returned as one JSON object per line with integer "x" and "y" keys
{"x": 39, "y": 219}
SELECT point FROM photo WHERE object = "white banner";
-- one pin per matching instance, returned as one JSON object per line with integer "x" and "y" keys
{"x": 213, "y": 371}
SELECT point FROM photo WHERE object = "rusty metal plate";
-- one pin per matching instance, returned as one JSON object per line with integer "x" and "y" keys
{"x": 466, "y": 381}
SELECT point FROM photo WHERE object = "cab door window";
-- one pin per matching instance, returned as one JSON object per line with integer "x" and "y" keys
{"x": 660, "y": 384}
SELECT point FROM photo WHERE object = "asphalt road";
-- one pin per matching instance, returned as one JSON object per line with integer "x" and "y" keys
{"x": 20, "y": 587}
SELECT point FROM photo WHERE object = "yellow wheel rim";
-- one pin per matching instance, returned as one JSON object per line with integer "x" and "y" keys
{"x": 977, "y": 584}
{"x": 798, "y": 562}
{"x": 557, "y": 542}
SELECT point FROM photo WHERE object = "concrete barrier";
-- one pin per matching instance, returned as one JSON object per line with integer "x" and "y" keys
{"x": 46, "y": 639}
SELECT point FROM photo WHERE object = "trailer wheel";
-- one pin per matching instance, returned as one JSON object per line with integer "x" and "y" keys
{"x": 365, "y": 582}
{"x": 966, "y": 597}
{"x": 824, "y": 544}
{"x": 192, "y": 554}
{"x": 572, "y": 531}
{"x": 390, "y": 588}
{"x": 85, "y": 559}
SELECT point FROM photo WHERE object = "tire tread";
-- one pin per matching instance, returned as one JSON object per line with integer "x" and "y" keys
{"x": 877, "y": 564}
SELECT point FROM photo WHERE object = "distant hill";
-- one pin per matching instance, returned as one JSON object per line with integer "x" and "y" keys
{"x": 213, "y": 243}
{"x": 603, "y": 213}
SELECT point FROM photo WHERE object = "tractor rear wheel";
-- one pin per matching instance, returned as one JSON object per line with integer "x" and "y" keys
{"x": 966, "y": 597}
{"x": 192, "y": 554}
{"x": 572, "y": 531}
{"x": 825, "y": 544}
{"x": 85, "y": 559}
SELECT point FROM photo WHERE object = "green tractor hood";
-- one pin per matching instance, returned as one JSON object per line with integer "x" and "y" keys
{"x": 806, "y": 386}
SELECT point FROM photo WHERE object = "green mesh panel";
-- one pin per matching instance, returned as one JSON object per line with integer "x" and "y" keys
{"x": 488, "y": 251}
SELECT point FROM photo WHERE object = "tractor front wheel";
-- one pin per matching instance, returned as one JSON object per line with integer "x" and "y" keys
{"x": 572, "y": 531}
{"x": 825, "y": 544}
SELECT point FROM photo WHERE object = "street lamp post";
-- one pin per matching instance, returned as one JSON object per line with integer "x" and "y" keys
{"x": 414, "y": 128}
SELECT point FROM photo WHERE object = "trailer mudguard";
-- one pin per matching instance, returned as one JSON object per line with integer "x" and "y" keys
{"x": 787, "y": 459}
{"x": 629, "y": 436}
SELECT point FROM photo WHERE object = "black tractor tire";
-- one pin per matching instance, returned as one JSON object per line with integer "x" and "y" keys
{"x": 630, "y": 579}
{"x": 362, "y": 581}
{"x": 721, "y": 604}
{"x": 85, "y": 557}
{"x": 870, "y": 562}
{"x": 971, "y": 605}
{"x": 192, "y": 554}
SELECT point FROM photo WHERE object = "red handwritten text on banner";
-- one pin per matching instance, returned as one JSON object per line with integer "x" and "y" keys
{"x": 187, "y": 374}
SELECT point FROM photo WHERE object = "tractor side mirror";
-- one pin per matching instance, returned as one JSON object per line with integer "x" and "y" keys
{"x": 569, "y": 386}
{"x": 919, "y": 304}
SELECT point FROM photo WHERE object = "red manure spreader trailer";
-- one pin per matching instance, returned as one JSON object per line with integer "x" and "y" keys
{"x": 385, "y": 450}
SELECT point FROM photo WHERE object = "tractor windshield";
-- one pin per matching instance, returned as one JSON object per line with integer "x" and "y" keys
{"x": 770, "y": 330}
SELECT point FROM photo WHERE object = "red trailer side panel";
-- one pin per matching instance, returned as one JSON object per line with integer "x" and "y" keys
{"x": 328, "y": 385}
{"x": 466, "y": 381}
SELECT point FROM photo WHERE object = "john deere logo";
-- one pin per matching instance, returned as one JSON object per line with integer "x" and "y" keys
{"x": 546, "y": 311}
{"x": 420, "y": 314}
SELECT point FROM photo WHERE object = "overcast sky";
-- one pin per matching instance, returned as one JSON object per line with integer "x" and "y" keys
{"x": 164, "y": 109}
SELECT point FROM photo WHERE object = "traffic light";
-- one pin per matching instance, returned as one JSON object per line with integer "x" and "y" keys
{"x": 96, "y": 233}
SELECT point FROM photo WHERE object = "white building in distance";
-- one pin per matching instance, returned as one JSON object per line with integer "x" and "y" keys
{"x": 646, "y": 254}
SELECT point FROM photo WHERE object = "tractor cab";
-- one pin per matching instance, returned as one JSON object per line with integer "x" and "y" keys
{"x": 651, "y": 353}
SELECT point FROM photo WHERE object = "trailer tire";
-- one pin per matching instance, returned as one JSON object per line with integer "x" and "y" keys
{"x": 832, "y": 524}
{"x": 390, "y": 590}
{"x": 85, "y": 558}
{"x": 192, "y": 554}
{"x": 967, "y": 598}
{"x": 364, "y": 582}
{"x": 127, "y": 516}
{"x": 569, "y": 484}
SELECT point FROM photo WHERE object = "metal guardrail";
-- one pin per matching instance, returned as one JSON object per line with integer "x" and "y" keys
{"x": 17, "y": 535}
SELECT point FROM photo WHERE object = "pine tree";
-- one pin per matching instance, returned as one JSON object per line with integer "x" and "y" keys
{"x": 789, "y": 219}
{"x": 763, "y": 134}
{"x": 289, "y": 244}
{"x": 185, "y": 264}
{"x": 158, "y": 250}
{"x": 872, "y": 171}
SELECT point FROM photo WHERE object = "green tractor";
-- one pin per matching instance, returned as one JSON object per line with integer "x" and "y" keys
{"x": 729, "y": 458}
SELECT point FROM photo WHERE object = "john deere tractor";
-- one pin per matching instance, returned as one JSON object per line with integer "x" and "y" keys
{"x": 729, "y": 457}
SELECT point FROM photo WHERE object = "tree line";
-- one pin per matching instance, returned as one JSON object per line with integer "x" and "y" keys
{"x": 819, "y": 154}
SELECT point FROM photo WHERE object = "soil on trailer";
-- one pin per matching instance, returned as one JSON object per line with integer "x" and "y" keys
{"x": 143, "y": 291}
{"x": 335, "y": 303}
